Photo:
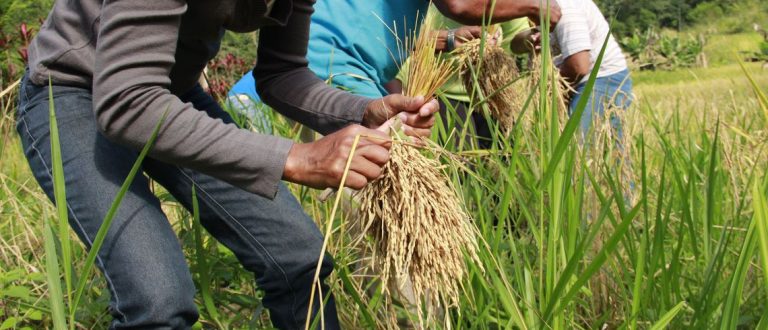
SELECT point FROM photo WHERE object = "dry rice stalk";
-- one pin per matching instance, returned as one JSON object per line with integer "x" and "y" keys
{"x": 426, "y": 73}
{"x": 560, "y": 89}
{"x": 420, "y": 228}
{"x": 414, "y": 216}
{"x": 495, "y": 71}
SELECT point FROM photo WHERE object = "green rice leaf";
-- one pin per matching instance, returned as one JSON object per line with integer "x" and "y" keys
{"x": 203, "y": 269}
{"x": 104, "y": 228}
{"x": 668, "y": 317}
{"x": 760, "y": 206}
{"x": 730, "y": 313}
{"x": 55, "y": 295}
{"x": 59, "y": 193}
{"x": 573, "y": 122}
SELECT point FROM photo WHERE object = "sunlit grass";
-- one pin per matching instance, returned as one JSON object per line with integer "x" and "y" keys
{"x": 563, "y": 248}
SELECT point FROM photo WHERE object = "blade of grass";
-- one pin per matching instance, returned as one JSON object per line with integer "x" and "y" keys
{"x": 711, "y": 203}
{"x": 730, "y": 313}
{"x": 349, "y": 288}
{"x": 668, "y": 317}
{"x": 637, "y": 287}
{"x": 102, "y": 233}
{"x": 556, "y": 305}
{"x": 573, "y": 122}
{"x": 203, "y": 269}
{"x": 60, "y": 198}
{"x": 54, "y": 281}
{"x": 761, "y": 98}
{"x": 760, "y": 206}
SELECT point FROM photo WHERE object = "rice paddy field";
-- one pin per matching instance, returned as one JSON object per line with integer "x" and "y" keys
{"x": 667, "y": 230}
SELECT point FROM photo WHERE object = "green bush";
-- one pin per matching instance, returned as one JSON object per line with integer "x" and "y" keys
{"x": 16, "y": 12}
{"x": 706, "y": 12}
{"x": 652, "y": 50}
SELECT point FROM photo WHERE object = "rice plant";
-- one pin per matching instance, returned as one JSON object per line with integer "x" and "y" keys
{"x": 565, "y": 241}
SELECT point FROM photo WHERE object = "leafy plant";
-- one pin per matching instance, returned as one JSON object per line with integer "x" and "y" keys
{"x": 653, "y": 50}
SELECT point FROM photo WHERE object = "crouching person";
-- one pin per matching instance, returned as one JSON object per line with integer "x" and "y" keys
{"x": 116, "y": 67}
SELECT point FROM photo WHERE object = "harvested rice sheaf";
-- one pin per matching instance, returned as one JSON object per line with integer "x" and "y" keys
{"x": 419, "y": 226}
{"x": 496, "y": 74}
{"x": 417, "y": 222}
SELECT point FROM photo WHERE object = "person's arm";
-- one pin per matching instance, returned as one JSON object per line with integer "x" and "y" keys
{"x": 575, "y": 67}
{"x": 575, "y": 44}
{"x": 472, "y": 12}
{"x": 285, "y": 82}
{"x": 133, "y": 60}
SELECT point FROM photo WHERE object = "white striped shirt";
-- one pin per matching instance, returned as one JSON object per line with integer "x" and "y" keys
{"x": 583, "y": 27}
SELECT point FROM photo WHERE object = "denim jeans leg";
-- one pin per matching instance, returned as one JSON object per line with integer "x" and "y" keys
{"x": 615, "y": 90}
{"x": 141, "y": 260}
{"x": 275, "y": 239}
{"x": 585, "y": 124}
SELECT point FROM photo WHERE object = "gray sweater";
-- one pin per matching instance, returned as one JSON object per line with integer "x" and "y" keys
{"x": 137, "y": 55}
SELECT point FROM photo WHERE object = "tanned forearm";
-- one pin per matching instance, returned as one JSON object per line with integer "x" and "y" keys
{"x": 575, "y": 67}
{"x": 472, "y": 12}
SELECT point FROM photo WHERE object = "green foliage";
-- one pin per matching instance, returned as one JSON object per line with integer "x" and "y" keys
{"x": 15, "y": 12}
{"x": 728, "y": 16}
{"x": 652, "y": 50}
{"x": 706, "y": 12}
{"x": 562, "y": 246}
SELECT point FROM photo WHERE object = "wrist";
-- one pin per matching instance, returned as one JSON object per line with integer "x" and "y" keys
{"x": 375, "y": 114}
{"x": 450, "y": 40}
{"x": 292, "y": 163}
{"x": 368, "y": 114}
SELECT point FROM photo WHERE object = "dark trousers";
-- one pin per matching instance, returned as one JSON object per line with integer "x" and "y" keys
{"x": 141, "y": 259}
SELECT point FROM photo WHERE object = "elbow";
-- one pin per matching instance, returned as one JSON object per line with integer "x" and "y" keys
{"x": 261, "y": 89}
{"x": 582, "y": 70}
{"x": 106, "y": 125}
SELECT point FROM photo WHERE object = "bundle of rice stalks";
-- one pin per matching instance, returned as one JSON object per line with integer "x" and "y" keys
{"x": 426, "y": 72}
{"x": 419, "y": 226}
{"x": 490, "y": 73}
{"x": 414, "y": 216}
{"x": 557, "y": 88}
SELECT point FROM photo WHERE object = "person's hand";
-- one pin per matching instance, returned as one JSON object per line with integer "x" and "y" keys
{"x": 468, "y": 33}
{"x": 416, "y": 113}
{"x": 320, "y": 164}
{"x": 533, "y": 40}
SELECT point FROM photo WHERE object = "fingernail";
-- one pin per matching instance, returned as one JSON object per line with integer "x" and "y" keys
{"x": 403, "y": 117}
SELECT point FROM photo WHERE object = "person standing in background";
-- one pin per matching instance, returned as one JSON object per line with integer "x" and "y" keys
{"x": 576, "y": 43}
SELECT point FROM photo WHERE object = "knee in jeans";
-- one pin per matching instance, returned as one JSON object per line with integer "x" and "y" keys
{"x": 300, "y": 273}
{"x": 171, "y": 304}
{"x": 305, "y": 270}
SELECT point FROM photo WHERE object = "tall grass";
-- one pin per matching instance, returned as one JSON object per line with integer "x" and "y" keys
{"x": 564, "y": 246}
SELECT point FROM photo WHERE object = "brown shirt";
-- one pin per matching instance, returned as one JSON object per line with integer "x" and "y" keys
{"x": 138, "y": 55}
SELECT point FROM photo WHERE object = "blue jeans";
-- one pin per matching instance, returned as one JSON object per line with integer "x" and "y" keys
{"x": 141, "y": 259}
{"x": 614, "y": 90}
